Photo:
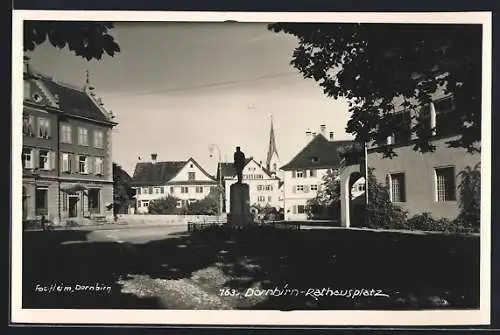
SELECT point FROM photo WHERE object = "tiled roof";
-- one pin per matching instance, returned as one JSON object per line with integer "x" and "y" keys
{"x": 74, "y": 101}
{"x": 228, "y": 168}
{"x": 147, "y": 173}
{"x": 318, "y": 153}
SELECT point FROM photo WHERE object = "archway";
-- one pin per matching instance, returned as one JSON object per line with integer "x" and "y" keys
{"x": 350, "y": 211}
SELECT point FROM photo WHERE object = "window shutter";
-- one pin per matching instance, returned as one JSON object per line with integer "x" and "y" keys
{"x": 294, "y": 209}
{"x": 35, "y": 159}
{"x": 90, "y": 164}
{"x": 48, "y": 128}
{"x": 294, "y": 174}
{"x": 306, "y": 188}
{"x": 52, "y": 160}
{"x": 77, "y": 163}
{"x": 294, "y": 189}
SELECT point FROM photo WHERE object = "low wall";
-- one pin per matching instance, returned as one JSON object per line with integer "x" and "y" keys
{"x": 151, "y": 219}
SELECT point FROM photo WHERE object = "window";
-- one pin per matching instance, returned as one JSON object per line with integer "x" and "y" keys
{"x": 99, "y": 166}
{"x": 184, "y": 189}
{"x": 82, "y": 164}
{"x": 447, "y": 120}
{"x": 28, "y": 158}
{"x": 66, "y": 133}
{"x": 138, "y": 190}
{"x": 41, "y": 201}
{"x": 261, "y": 198}
{"x": 199, "y": 189}
{"x": 83, "y": 138}
{"x": 98, "y": 139}
{"x": 401, "y": 122}
{"x": 139, "y": 204}
{"x": 312, "y": 173}
{"x": 191, "y": 175}
{"x": 150, "y": 190}
{"x": 65, "y": 162}
{"x": 445, "y": 184}
{"x": 43, "y": 127}
{"x": 275, "y": 167}
{"x": 43, "y": 159}
{"x": 300, "y": 174}
{"x": 269, "y": 198}
{"x": 314, "y": 187}
{"x": 259, "y": 187}
{"x": 171, "y": 189}
{"x": 162, "y": 190}
{"x": 28, "y": 125}
{"x": 269, "y": 187}
{"x": 157, "y": 190}
{"x": 94, "y": 200}
{"x": 145, "y": 190}
{"x": 300, "y": 187}
{"x": 301, "y": 209}
{"x": 397, "y": 187}
{"x": 191, "y": 165}
{"x": 145, "y": 203}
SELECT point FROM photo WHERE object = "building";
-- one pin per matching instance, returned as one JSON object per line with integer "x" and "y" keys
{"x": 264, "y": 186}
{"x": 185, "y": 180}
{"x": 425, "y": 182}
{"x": 303, "y": 175}
{"x": 66, "y": 157}
{"x": 273, "y": 163}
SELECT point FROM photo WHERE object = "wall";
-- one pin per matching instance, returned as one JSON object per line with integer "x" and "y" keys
{"x": 420, "y": 177}
{"x": 148, "y": 219}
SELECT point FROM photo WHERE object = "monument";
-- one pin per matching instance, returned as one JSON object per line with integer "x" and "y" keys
{"x": 239, "y": 195}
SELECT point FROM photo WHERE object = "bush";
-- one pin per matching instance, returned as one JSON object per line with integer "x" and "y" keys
{"x": 426, "y": 222}
{"x": 166, "y": 205}
{"x": 470, "y": 198}
{"x": 381, "y": 212}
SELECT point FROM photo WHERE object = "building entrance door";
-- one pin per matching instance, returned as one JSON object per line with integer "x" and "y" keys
{"x": 73, "y": 206}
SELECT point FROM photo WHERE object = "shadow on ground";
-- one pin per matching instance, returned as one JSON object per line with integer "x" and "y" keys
{"x": 417, "y": 272}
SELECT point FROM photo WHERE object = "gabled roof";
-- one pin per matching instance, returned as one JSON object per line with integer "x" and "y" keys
{"x": 150, "y": 174}
{"x": 318, "y": 153}
{"x": 73, "y": 101}
{"x": 229, "y": 171}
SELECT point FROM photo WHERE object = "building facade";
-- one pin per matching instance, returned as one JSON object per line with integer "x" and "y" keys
{"x": 264, "y": 186}
{"x": 303, "y": 175}
{"x": 185, "y": 180}
{"x": 66, "y": 156}
{"x": 425, "y": 182}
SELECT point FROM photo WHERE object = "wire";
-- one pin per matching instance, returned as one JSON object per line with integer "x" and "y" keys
{"x": 190, "y": 88}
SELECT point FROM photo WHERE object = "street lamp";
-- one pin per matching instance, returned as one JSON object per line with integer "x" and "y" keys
{"x": 211, "y": 148}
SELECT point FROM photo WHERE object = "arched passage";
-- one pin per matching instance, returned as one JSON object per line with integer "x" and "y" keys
{"x": 350, "y": 211}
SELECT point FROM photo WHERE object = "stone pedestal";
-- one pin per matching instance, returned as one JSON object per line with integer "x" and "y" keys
{"x": 239, "y": 199}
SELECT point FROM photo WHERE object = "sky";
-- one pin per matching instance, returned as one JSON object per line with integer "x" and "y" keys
{"x": 177, "y": 88}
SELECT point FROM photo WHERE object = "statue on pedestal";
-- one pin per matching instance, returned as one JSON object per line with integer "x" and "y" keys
{"x": 239, "y": 164}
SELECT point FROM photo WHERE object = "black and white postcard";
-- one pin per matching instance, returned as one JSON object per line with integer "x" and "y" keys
{"x": 227, "y": 168}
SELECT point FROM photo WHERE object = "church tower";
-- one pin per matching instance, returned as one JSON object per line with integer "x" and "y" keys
{"x": 273, "y": 161}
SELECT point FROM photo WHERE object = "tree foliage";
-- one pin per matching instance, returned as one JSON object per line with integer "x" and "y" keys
{"x": 87, "y": 39}
{"x": 375, "y": 65}
{"x": 206, "y": 206}
{"x": 470, "y": 196}
{"x": 165, "y": 205}
{"x": 326, "y": 203}
{"x": 123, "y": 193}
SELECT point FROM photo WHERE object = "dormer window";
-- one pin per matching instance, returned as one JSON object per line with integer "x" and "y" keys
{"x": 315, "y": 159}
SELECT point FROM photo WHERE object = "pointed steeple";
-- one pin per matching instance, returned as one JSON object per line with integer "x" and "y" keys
{"x": 272, "y": 147}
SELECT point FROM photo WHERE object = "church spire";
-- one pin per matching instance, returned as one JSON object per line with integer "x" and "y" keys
{"x": 272, "y": 147}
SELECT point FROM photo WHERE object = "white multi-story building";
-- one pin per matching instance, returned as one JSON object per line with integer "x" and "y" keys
{"x": 303, "y": 175}
{"x": 185, "y": 180}
{"x": 264, "y": 186}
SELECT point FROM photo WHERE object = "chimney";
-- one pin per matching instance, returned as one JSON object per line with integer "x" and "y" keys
{"x": 322, "y": 129}
{"x": 331, "y": 136}
{"x": 308, "y": 135}
{"x": 153, "y": 158}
